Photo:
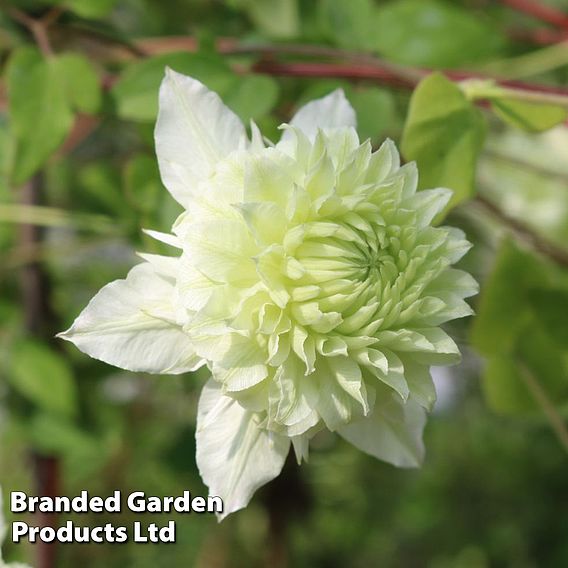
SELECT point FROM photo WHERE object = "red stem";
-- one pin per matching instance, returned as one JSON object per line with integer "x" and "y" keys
{"x": 542, "y": 36}
{"x": 388, "y": 76}
{"x": 335, "y": 70}
{"x": 39, "y": 322}
{"x": 539, "y": 11}
{"x": 47, "y": 479}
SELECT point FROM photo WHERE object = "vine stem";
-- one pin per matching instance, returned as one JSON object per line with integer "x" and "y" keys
{"x": 532, "y": 63}
{"x": 340, "y": 63}
{"x": 47, "y": 482}
{"x": 548, "y": 249}
{"x": 531, "y": 167}
{"x": 38, "y": 322}
{"x": 488, "y": 89}
{"x": 546, "y": 14}
{"x": 408, "y": 78}
{"x": 38, "y": 28}
{"x": 539, "y": 394}
{"x": 533, "y": 97}
{"x": 541, "y": 36}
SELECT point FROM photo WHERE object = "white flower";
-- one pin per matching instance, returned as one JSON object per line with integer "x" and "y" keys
{"x": 310, "y": 282}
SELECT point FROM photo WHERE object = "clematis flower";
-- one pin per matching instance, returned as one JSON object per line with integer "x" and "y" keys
{"x": 309, "y": 280}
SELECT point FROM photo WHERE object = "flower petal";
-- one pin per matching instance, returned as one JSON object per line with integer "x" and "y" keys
{"x": 427, "y": 204}
{"x": 393, "y": 431}
{"x": 234, "y": 455}
{"x": 193, "y": 132}
{"x": 331, "y": 111}
{"x": 132, "y": 324}
{"x": 420, "y": 383}
{"x": 222, "y": 250}
{"x": 292, "y": 395}
{"x": 166, "y": 238}
{"x": 242, "y": 366}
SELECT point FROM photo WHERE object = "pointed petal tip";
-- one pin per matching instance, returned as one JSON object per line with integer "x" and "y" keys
{"x": 328, "y": 112}
{"x": 65, "y": 335}
{"x": 194, "y": 131}
{"x": 170, "y": 73}
{"x": 338, "y": 93}
{"x": 166, "y": 238}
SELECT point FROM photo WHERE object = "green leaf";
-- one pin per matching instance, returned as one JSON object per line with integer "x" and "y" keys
{"x": 548, "y": 364}
{"x": 504, "y": 385}
{"x": 511, "y": 332}
{"x": 56, "y": 435}
{"x": 90, "y": 8}
{"x": 136, "y": 93}
{"x": 431, "y": 33}
{"x": 375, "y": 110}
{"x": 101, "y": 183}
{"x": 84, "y": 453}
{"x": 80, "y": 81}
{"x": 504, "y": 308}
{"x": 142, "y": 183}
{"x": 252, "y": 97}
{"x": 551, "y": 309}
{"x": 532, "y": 117}
{"x": 40, "y": 116}
{"x": 275, "y": 18}
{"x": 348, "y": 24}
{"x": 44, "y": 377}
{"x": 504, "y": 389}
{"x": 444, "y": 133}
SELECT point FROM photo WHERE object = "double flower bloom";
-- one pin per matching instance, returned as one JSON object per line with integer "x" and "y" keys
{"x": 309, "y": 281}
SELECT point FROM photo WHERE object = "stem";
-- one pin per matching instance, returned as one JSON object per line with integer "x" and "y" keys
{"x": 339, "y": 71}
{"x": 53, "y": 15}
{"x": 282, "y": 510}
{"x": 539, "y": 394}
{"x": 38, "y": 321}
{"x": 539, "y": 11}
{"x": 529, "y": 166}
{"x": 41, "y": 216}
{"x": 230, "y": 46}
{"x": 354, "y": 66}
{"x": 545, "y": 247}
{"x": 541, "y": 36}
{"x": 407, "y": 78}
{"x": 34, "y": 282}
{"x": 47, "y": 480}
{"x": 532, "y": 63}
{"x": 38, "y": 28}
{"x": 488, "y": 89}
{"x": 533, "y": 97}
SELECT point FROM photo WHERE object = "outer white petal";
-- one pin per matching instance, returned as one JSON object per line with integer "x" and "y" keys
{"x": 193, "y": 132}
{"x": 331, "y": 111}
{"x": 393, "y": 432}
{"x": 132, "y": 324}
{"x": 166, "y": 238}
{"x": 234, "y": 456}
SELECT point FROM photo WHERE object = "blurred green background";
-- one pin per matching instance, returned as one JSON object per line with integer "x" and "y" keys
{"x": 79, "y": 180}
